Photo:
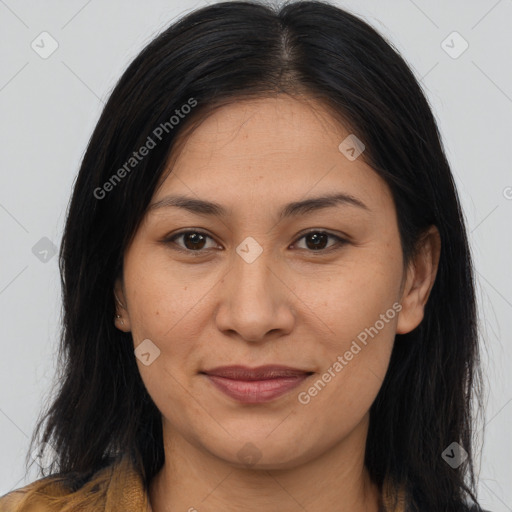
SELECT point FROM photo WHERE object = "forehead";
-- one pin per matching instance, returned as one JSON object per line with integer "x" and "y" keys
{"x": 283, "y": 123}
{"x": 273, "y": 149}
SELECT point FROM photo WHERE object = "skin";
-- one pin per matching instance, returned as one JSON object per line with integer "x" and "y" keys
{"x": 293, "y": 305}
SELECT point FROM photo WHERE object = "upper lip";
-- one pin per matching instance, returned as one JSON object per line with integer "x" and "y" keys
{"x": 239, "y": 372}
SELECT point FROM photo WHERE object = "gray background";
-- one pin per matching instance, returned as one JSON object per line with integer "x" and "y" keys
{"x": 49, "y": 108}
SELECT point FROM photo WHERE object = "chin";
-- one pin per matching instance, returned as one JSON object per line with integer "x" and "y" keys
{"x": 260, "y": 453}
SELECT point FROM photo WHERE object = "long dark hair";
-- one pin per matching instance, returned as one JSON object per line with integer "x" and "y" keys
{"x": 212, "y": 57}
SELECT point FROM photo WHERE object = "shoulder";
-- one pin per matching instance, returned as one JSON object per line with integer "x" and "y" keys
{"x": 51, "y": 493}
{"x": 115, "y": 484}
{"x": 11, "y": 501}
{"x": 25, "y": 499}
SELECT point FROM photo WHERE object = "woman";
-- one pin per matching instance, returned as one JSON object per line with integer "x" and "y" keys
{"x": 219, "y": 352}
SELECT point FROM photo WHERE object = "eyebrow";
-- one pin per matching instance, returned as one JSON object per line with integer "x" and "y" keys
{"x": 202, "y": 207}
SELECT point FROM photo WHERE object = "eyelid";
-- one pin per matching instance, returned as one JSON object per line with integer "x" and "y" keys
{"x": 340, "y": 240}
{"x": 170, "y": 240}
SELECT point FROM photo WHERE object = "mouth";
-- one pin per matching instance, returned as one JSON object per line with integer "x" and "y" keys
{"x": 256, "y": 385}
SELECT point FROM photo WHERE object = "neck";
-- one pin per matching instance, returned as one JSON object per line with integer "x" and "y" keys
{"x": 193, "y": 479}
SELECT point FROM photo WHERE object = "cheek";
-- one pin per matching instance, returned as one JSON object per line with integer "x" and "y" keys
{"x": 165, "y": 308}
{"x": 359, "y": 316}
{"x": 164, "y": 300}
{"x": 348, "y": 383}
{"x": 168, "y": 319}
{"x": 353, "y": 297}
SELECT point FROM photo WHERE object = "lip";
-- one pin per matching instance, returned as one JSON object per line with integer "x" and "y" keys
{"x": 256, "y": 385}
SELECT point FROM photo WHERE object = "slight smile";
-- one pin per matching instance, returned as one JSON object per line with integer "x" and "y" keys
{"x": 256, "y": 385}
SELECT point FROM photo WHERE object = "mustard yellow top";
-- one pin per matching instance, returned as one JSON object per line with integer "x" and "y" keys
{"x": 115, "y": 488}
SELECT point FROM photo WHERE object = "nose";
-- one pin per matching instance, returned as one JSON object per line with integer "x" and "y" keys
{"x": 255, "y": 301}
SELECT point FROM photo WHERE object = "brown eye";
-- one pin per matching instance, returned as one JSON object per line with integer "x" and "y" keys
{"x": 317, "y": 240}
{"x": 193, "y": 241}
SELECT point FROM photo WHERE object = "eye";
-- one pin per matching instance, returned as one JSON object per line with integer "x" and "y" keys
{"x": 194, "y": 241}
{"x": 316, "y": 240}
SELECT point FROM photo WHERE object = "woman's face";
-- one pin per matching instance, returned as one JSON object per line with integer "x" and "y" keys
{"x": 248, "y": 286}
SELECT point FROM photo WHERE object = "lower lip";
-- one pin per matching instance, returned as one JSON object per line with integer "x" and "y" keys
{"x": 256, "y": 391}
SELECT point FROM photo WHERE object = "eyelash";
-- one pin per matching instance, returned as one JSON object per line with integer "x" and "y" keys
{"x": 339, "y": 241}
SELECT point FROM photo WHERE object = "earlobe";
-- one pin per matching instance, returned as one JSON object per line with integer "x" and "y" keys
{"x": 421, "y": 275}
{"x": 121, "y": 319}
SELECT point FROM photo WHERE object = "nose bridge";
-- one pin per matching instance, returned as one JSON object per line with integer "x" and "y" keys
{"x": 252, "y": 275}
{"x": 254, "y": 301}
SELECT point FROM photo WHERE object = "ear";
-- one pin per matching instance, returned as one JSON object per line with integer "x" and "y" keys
{"x": 123, "y": 323}
{"x": 419, "y": 281}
